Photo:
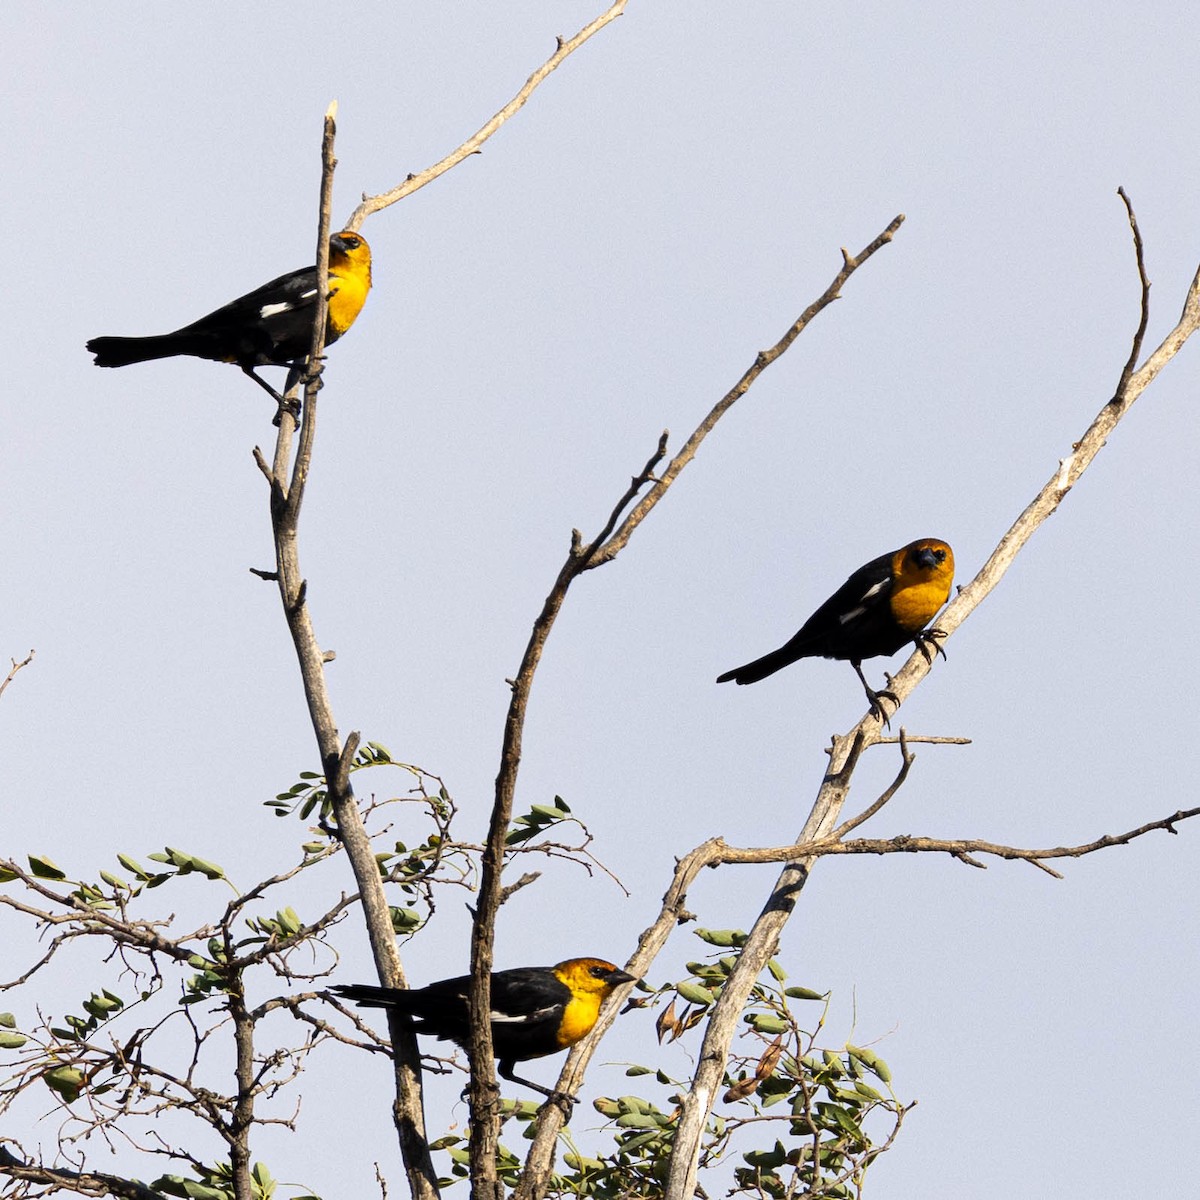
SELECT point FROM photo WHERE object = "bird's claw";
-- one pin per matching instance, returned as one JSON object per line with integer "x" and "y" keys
{"x": 929, "y": 644}
{"x": 877, "y": 709}
{"x": 564, "y": 1102}
{"x": 287, "y": 405}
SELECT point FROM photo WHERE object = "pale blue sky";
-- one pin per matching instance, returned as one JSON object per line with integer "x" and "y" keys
{"x": 665, "y": 206}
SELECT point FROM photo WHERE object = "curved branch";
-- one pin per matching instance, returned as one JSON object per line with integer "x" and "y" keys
{"x": 566, "y": 47}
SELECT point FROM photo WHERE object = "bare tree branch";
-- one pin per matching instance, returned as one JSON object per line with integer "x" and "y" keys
{"x": 473, "y": 144}
{"x": 764, "y": 935}
{"x": 581, "y": 558}
{"x": 87, "y": 1183}
{"x": 285, "y": 517}
{"x": 16, "y": 666}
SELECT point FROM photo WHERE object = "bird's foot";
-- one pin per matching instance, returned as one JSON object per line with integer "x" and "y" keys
{"x": 291, "y": 406}
{"x": 875, "y": 698}
{"x": 563, "y": 1102}
{"x": 929, "y": 643}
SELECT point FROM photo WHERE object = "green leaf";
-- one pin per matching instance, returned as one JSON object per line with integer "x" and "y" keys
{"x": 721, "y": 937}
{"x": 7, "y": 876}
{"x": 101, "y": 1006}
{"x": 114, "y": 880}
{"x": 635, "y": 1070}
{"x": 208, "y": 869}
{"x": 693, "y": 993}
{"x": 766, "y": 1160}
{"x": 581, "y": 1162}
{"x": 777, "y": 972}
{"x": 66, "y": 1081}
{"x": 766, "y": 1023}
{"x": 871, "y": 1061}
{"x": 43, "y": 868}
{"x": 803, "y": 993}
{"x": 289, "y": 920}
{"x": 405, "y": 920}
{"x": 7, "y": 1021}
{"x": 12, "y": 1041}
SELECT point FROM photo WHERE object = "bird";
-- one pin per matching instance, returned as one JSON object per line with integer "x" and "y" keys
{"x": 272, "y": 325}
{"x": 884, "y": 604}
{"x": 535, "y": 1010}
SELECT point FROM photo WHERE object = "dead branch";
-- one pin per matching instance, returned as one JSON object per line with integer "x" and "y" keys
{"x": 581, "y": 558}
{"x": 565, "y": 47}
{"x": 764, "y": 935}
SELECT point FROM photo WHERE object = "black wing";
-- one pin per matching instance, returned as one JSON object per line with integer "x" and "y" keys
{"x": 855, "y": 622}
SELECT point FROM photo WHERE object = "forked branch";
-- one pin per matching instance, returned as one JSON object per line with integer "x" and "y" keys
{"x": 764, "y": 935}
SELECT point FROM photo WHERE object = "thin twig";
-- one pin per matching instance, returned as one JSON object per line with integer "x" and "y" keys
{"x": 762, "y": 360}
{"x": 565, "y": 47}
{"x": 906, "y": 762}
{"x": 1139, "y": 254}
{"x": 16, "y": 666}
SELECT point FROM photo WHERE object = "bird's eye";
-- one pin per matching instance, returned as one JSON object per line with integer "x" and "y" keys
{"x": 600, "y": 972}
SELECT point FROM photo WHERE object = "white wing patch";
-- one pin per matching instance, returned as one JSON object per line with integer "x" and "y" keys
{"x": 501, "y": 1018}
{"x": 853, "y": 615}
{"x": 273, "y": 310}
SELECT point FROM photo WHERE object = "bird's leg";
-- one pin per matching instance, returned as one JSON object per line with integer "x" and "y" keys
{"x": 929, "y": 644}
{"x": 874, "y": 697}
{"x": 262, "y": 383}
{"x": 505, "y": 1071}
{"x": 284, "y": 405}
{"x": 292, "y": 405}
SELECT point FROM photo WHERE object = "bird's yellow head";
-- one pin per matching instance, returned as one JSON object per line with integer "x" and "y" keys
{"x": 591, "y": 976}
{"x": 922, "y": 574}
{"x": 349, "y": 281}
{"x": 590, "y": 981}
{"x": 348, "y": 249}
{"x": 927, "y": 561}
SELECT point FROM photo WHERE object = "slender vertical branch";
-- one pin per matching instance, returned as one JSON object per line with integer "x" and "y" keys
{"x": 243, "y": 1106}
{"x": 285, "y": 518}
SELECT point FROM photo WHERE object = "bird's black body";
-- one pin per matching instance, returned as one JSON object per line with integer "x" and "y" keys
{"x": 270, "y": 326}
{"x": 882, "y": 606}
{"x": 534, "y": 1010}
{"x": 238, "y": 332}
{"x": 530, "y": 999}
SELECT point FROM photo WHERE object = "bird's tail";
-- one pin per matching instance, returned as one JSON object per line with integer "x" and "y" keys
{"x": 121, "y": 351}
{"x": 760, "y": 668}
{"x": 368, "y": 995}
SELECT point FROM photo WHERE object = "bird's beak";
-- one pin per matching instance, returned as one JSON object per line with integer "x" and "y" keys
{"x": 927, "y": 558}
{"x": 616, "y": 978}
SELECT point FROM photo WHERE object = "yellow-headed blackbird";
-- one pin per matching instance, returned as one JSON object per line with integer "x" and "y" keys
{"x": 272, "y": 325}
{"x": 880, "y": 607}
{"x": 535, "y": 1010}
